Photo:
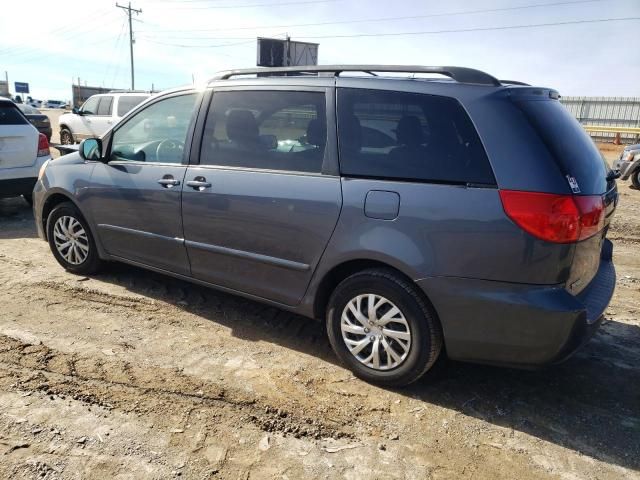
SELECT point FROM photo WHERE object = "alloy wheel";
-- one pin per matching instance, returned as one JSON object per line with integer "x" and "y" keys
{"x": 71, "y": 240}
{"x": 375, "y": 331}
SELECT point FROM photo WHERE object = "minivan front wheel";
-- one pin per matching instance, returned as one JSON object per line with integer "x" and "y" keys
{"x": 381, "y": 327}
{"x": 71, "y": 241}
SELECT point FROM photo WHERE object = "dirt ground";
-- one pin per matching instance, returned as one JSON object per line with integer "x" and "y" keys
{"x": 130, "y": 374}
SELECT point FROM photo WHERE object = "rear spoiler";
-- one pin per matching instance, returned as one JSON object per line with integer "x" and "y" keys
{"x": 64, "y": 149}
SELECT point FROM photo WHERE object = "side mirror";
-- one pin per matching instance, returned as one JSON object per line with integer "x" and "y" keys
{"x": 91, "y": 149}
{"x": 76, "y": 110}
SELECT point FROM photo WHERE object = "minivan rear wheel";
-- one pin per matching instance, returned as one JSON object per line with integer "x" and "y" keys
{"x": 71, "y": 241}
{"x": 382, "y": 328}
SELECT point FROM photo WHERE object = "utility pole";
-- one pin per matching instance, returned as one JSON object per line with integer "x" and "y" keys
{"x": 129, "y": 12}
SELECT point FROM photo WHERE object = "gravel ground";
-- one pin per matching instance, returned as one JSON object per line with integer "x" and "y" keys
{"x": 130, "y": 374}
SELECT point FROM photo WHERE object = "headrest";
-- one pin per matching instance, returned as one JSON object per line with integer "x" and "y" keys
{"x": 242, "y": 127}
{"x": 409, "y": 131}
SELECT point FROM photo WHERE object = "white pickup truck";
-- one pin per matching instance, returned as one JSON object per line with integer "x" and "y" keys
{"x": 97, "y": 115}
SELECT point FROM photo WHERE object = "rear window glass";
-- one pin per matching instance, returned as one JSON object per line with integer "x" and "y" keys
{"x": 10, "y": 115}
{"x": 26, "y": 109}
{"x": 126, "y": 104}
{"x": 570, "y": 145}
{"x": 408, "y": 136}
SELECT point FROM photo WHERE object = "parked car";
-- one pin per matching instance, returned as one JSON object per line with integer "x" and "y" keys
{"x": 629, "y": 164}
{"x": 23, "y": 152}
{"x": 34, "y": 102}
{"x": 37, "y": 119}
{"x": 480, "y": 235}
{"x": 97, "y": 115}
{"x": 54, "y": 104}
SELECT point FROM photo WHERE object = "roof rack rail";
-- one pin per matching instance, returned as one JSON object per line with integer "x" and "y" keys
{"x": 514, "y": 82}
{"x": 459, "y": 74}
{"x": 126, "y": 90}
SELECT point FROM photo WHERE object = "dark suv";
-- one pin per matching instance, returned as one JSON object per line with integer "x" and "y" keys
{"x": 419, "y": 217}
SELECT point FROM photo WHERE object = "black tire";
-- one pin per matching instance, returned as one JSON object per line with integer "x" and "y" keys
{"x": 635, "y": 178}
{"x": 92, "y": 263}
{"x": 425, "y": 342}
{"x": 66, "y": 137}
{"x": 28, "y": 198}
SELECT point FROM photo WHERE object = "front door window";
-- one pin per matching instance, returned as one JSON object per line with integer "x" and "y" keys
{"x": 156, "y": 134}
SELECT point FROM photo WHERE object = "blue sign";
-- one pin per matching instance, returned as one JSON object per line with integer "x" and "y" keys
{"x": 21, "y": 87}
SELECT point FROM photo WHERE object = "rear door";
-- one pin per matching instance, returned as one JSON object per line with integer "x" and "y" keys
{"x": 18, "y": 138}
{"x": 262, "y": 203}
{"x": 102, "y": 120}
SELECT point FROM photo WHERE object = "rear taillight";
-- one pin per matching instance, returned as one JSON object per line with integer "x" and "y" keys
{"x": 43, "y": 145}
{"x": 555, "y": 218}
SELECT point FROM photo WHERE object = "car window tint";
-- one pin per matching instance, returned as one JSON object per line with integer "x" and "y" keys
{"x": 273, "y": 130}
{"x": 90, "y": 107}
{"x": 157, "y": 133}
{"x": 408, "y": 136}
{"x": 104, "y": 107}
{"x": 10, "y": 115}
{"x": 126, "y": 103}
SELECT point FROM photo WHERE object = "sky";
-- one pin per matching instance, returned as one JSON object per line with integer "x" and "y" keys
{"x": 179, "y": 41}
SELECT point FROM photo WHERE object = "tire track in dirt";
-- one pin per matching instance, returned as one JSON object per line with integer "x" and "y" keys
{"x": 245, "y": 316}
{"x": 151, "y": 391}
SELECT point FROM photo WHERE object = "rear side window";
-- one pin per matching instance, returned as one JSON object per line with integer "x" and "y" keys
{"x": 10, "y": 115}
{"x": 273, "y": 130}
{"x": 104, "y": 107}
{"x": 574, "y": 151}
{"x": 408, "y": 136}
{"x": 126, "y": 104}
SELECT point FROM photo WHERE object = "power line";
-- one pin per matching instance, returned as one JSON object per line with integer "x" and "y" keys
{"x": 129, "y": 12}
{"x": 67, "y": 35}
{"x": 251, "y": 5}
{"x": 383, "y": 19}
{"x": 114, "y": 53}
{"x": 433, "y": 32}
{"x": 477, "y": 29}
{"x": 245, "y": 42}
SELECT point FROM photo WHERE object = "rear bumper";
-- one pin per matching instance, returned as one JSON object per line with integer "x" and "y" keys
{"x": 515, "y": 324}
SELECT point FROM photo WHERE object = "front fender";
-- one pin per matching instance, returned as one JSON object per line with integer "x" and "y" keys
{"x": 65, "y": 179}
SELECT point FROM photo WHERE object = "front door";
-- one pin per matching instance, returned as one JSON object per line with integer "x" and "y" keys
{"x": 258, "y": 210}
{"x": 88, "y": 111}
{"x": 134, "y": 199}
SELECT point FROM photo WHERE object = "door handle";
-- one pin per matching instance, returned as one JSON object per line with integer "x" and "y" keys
{"x": 169, "y": 182}
{"x": 198, "y": 183}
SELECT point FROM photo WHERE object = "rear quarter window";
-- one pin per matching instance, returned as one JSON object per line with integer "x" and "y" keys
{"x": 10, "y": 115}
{"x": 126, "y": 104}
{"x": 571, "y": 147}
{"x": 409, "y": 136}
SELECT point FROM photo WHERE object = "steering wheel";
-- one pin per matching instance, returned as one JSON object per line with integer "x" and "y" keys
{"x": 168, "y": 150}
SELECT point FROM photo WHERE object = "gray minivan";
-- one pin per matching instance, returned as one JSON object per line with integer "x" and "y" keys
{"x": 419, "y": 217}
